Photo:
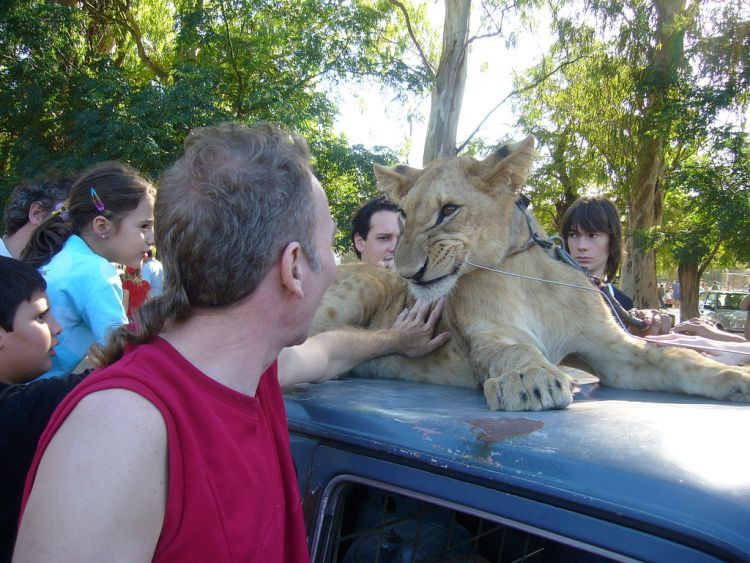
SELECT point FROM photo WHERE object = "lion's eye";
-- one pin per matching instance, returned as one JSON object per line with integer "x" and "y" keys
{"x": 446, "y": 211}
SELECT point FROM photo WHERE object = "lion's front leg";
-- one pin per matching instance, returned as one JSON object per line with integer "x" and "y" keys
{"x": 517, "y": 377}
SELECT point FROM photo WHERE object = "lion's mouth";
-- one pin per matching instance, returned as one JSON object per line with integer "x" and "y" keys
{"x": 422, "y": 283}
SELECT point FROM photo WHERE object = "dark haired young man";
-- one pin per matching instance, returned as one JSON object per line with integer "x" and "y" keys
{"x": 375, "y": 232}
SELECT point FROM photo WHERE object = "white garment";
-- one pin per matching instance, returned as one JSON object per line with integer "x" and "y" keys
{"x": 153, "y": 272}
{"x": 4, "y": 249}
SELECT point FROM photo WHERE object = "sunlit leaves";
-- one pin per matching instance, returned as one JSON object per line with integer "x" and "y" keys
{"x": 89, "y": 80}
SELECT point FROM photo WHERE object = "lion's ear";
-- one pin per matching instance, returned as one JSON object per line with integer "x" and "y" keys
{"x": 510, "y": 164}
{"x": 395, "y": 182}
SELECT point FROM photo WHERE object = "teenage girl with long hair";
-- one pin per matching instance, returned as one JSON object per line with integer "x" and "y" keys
{"x": 108, "y": 217}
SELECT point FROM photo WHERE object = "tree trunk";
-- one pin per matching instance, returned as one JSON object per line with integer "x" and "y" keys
{"x": 689, "y": 279}
{"x": 448, "y": 90}
{"x": 644, "y": 209}
{"x": 645, "y": 198}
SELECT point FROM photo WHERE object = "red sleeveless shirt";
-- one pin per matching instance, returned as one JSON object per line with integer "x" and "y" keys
{"x": 232, "y": 490}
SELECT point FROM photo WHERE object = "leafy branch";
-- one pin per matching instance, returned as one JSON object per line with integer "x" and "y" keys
{"x": 425, "y": 60}
{"x": 516, "y": 92}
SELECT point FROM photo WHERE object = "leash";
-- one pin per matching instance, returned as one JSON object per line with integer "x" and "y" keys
{"x": 610, "y": 301}
{"x": 555, "y": 244}
{"x": 557, "y": 247}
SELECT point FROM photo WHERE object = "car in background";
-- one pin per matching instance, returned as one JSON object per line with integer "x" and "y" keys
{"x": 723, "y": 309}
{"x": 396, "y": 471}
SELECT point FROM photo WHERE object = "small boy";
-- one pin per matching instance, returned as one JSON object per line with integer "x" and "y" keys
{"x": 28, "y": 335}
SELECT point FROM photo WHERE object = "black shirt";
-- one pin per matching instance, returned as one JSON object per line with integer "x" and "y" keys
{"x": 24, "y": 413}
{"x": 622, "y": 299}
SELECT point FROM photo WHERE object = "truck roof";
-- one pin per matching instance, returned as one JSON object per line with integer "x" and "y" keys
{"x": 671, "y": 463}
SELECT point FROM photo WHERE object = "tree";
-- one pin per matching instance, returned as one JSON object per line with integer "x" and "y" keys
{"x": 639, "y": 85}
{"x": 450, "y": 80}
{"x": 348, "y": 177}
{"x": 657, "y": 89}
{"x": 88, "y": 80}
{"x": 707, "y": 211}
{"x": 447, "y": 76}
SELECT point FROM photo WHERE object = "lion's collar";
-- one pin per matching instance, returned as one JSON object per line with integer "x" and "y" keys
{"x": 522, "y": 203}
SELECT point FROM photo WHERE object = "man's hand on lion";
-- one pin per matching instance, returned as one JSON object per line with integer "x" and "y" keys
{"x": 415, "y": 328}
{"x": 656, "y": 323}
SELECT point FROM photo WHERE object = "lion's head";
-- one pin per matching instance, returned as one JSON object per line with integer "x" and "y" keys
{"x": 456, "y": 210}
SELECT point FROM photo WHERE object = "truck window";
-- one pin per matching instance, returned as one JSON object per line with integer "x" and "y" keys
{"x": 370, "y": 524}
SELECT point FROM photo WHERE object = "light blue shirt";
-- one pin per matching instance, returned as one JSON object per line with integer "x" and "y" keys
{"x": 85, "y": 297}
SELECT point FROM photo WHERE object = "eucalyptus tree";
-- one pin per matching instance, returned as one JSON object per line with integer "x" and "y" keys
{"x": 444, "y": 66}
{"x": 639, "y": 84}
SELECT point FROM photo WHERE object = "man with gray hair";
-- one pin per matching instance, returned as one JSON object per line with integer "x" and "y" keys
{"x": 178, "y": 449}
{"x": 30, "y": 204}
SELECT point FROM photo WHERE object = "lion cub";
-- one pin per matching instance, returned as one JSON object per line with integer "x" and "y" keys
{"x": 508, "y": 332}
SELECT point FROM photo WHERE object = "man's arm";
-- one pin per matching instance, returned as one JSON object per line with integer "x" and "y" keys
{"x": 332, "y": 353}
{"x": 731, "y": 353}
{"x": 100, "y": 490}
{"x": 699, "y": 327}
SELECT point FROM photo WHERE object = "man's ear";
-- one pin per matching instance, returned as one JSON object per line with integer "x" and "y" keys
{"x": 37, "y": 213}
{"x": 359, "y": 242}
{"x": 291, "y": 272}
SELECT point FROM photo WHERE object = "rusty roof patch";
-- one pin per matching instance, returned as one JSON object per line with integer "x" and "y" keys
{"x": 498, "y": 429}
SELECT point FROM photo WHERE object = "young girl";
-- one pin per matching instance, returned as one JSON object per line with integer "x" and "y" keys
{"x": 109, "y": 218}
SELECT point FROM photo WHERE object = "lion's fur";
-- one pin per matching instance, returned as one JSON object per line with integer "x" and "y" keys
{"x": 508, "y": 333}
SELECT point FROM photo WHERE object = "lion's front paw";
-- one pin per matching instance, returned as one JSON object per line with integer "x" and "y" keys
{"x": 531, "y": 390}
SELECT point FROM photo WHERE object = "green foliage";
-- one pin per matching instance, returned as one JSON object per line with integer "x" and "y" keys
{"x": 709, "y": 205}
{"x": 347, "y": 176}
{"x": 623, "y": 95}
{"x": 82, "y": 82}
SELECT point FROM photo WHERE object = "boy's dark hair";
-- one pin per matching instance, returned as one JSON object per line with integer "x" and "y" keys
{"x": 19, "y": 282}
{"x": 596, "y": 214}
{"x": 361, "y": 219}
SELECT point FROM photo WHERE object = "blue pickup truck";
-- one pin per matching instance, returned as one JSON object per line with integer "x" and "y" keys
{"x": 393, "y": 471}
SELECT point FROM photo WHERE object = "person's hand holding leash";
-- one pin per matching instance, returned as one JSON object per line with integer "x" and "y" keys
{"x": 656, "y": 323}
